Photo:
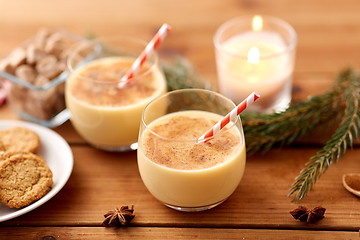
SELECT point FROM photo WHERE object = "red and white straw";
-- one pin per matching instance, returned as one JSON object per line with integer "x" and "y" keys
{"x": 150, "y": 48}
{"x": 230, "y": 116}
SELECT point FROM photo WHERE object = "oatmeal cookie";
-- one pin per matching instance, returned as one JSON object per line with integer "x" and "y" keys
{"x": 2, "y": 146}
{"x": 5, "y": 155}
{"x": 24, "y": 178}
{"x": 20, "y": 139}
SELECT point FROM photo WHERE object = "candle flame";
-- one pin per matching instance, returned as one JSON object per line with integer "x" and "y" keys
{"x": 257, "y": 23}
{"x": 254, "y": 55}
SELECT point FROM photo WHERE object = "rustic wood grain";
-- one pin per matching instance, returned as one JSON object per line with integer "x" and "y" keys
{"x": 101, "y": 181}
{"x": 328, "y": 41}
{"x": 95, "y": 233}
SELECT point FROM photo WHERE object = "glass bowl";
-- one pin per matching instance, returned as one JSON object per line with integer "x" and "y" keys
{"x": 34, "y": 73}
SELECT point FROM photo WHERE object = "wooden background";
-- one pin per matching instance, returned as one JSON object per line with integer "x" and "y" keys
{"x": 328, "y": 41}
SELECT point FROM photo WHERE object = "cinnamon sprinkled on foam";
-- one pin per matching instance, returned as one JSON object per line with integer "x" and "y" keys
{"x": 107, "y": 94}
{"x": 188, "y": 155}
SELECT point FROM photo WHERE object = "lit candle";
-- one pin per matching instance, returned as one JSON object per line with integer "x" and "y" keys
{"x": 257, "y": 59}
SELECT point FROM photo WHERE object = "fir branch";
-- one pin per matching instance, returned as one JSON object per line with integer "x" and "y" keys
{"x": 265, "y": 131}
{"x": 336, "y": 146}
{"x": 180, "y": 74}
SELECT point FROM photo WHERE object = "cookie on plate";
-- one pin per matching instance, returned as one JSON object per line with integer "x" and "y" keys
{"x": 2, "y": 146}
{"x": 4, "y": 155}
{"x": 20, "y": 139}
{"x": 24, "y": 178}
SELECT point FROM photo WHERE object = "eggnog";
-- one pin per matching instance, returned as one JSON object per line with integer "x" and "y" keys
{"x": 182, "y": 173}
{"x": 105, "y": 115}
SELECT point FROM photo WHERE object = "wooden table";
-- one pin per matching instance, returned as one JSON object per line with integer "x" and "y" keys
{"x": 329, "y": 40}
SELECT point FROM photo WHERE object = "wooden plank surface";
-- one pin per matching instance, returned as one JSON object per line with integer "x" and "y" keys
{"x": 329, "y": 36}
{"x": 101, "y": 181}
{"x": 93, "y": 233}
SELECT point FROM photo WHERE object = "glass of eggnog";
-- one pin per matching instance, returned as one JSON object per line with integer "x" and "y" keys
{"x": 106, "y": 115}
{"x": 183, "y": 173}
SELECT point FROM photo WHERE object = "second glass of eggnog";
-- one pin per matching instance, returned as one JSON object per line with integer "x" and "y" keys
{"x": 176, "y": 168}
{"x": 106, "y": 115}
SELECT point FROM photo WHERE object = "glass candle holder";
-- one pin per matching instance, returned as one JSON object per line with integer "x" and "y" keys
{"x": 256, "y": 53}
{"x": 177, "y": 169}
{"x": 106, "y": 115}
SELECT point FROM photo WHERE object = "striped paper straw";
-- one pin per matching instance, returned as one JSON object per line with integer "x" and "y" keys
{"x": 150, "y": 48}
{"x": 230, "y": 116}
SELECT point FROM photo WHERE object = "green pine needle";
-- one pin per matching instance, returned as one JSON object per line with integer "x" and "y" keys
{"x": 336, "y": 146}
{"x": 180, "y": 74}
{"x": 265, "y": 131}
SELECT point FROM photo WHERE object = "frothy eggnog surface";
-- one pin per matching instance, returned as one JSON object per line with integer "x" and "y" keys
{"x": 103, "y": 113}
{"x": 107, "y": 71}
{"x": 180, "y": 172}
{"x": 182, "y": 153}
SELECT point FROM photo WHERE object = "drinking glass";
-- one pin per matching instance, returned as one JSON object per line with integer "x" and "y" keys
{"x": 201, "y": 179}
{"x": 106, "y": 115}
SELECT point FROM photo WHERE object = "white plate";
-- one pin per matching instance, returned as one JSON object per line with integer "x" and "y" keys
{"x": 58, "y": 156}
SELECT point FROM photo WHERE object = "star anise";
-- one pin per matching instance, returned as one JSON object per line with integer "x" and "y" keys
{"x": 119, "y": 217}
{"x": 306, "y": 215}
